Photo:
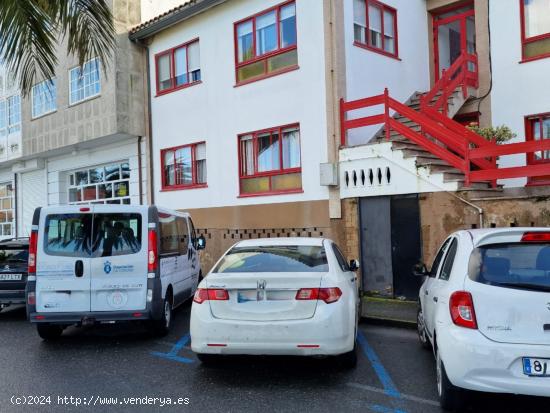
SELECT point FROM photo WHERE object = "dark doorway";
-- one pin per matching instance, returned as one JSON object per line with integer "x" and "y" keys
{"x": 390, "y": 244}
{"x": 406, "y": 244}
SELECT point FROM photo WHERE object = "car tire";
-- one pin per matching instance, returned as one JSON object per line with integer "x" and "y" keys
{"x": 421, "y": 330}
{"x": 349, "y": 360}
{"x": 451, "y": 398}
{"x": 208, "y": 359}
{"x": 49, "y": 332}
{"x": 162, "y": 327}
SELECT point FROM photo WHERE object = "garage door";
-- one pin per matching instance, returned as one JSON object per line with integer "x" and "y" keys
{"x": 32, "y": 193}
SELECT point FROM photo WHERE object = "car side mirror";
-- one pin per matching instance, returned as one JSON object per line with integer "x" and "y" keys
{"x": 354, "y": 265}
{"x": 201, "y": 243}
{"x": 420, "y": 270}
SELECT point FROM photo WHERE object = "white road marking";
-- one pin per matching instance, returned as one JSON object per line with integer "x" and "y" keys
{"x": 403, "y": 396}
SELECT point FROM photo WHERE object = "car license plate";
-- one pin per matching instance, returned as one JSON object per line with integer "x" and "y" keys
{"x": 536, "y": 367}
{"x": 11, "y": 277}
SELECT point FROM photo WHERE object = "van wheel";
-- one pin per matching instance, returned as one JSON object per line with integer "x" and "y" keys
{"x": 49, "y": 332}
{"x": 162, "y": 327}
{"x": 421, "y": 329}
{"x": 451, "y": 398}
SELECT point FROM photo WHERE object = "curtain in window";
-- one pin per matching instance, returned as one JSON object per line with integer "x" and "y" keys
{"x": 359, "y": 20}
{"x": 200, "y": 159}
{"x": 245, "y": 41}
{"x": 169, "y": 176}
{"x": 537, "y": 17}
{"x": 375, "y": 26}
{"x": 247, "y": 155}
{"x": 389, "y": 31}
{"x": 184, "y": 172}
{"x": 180, "y": 56}
{"x": 193, "y": 54}
{"x": 266, "y": 33}
{"x": 288, "y": 25}
{"x": 291, "y": 148}
{"x": 268, "y": 152}
{"x": 164, "y": 72}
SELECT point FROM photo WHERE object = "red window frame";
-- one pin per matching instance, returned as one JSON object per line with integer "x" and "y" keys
{"x": 275, "y": 172}
{"x": 526, "y": 40}
{"x": 265, "y": 56}
{"x": 172, "y": 53}
{"x": 194, "y": 183}
{"x": 530, "y": 136}
{"x": 383, "y": 7}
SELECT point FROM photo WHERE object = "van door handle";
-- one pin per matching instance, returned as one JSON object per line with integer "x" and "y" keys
{"x": 79, "y": 268}
{"x": 435, "y": 299}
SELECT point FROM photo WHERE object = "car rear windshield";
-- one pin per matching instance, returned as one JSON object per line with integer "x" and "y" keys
{"x": 522, "y": 266}
{"x": 81, "y": 235}
{"x": 274, "y": 259}
{"x": 13, "y": 256}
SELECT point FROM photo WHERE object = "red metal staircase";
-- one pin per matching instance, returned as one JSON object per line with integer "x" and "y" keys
{"x": 430, "y": 128}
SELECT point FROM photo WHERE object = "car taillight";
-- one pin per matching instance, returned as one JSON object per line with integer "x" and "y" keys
{"x": 212, "y": 294}
{"x": 152, "y": 251}
{"x": 328, "y": 295}
{"x": 31, "y": 299}
{"x": 535, "y": 237}
{"x": 462, "y": 309}
{"x": 33, "y": 246}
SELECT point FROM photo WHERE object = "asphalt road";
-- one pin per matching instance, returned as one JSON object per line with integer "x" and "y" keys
{"x": 107, "y": 366}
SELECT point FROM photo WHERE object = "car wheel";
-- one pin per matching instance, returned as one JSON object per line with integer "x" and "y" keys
{"x": 208, "y": 359}
{"x": 421, "y": 329}
{"x": 49, "y": 332}
{"x": 451, "y": 398}
{"x": 162, "y": 327}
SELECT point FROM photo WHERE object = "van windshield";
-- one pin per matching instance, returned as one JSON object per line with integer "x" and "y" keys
{"x": 300, "y": 258}
{"x": 81, "y": 235}
{"x": 522, "y": 266}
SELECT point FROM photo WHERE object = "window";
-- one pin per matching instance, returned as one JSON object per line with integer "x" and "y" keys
{"x": 449, "y": 260}
{"x": 266, "y": 43}
{"x": 85, "y": 83}
{"x": 438, "y": 258}
{"x": 109, "y": 184}
{"x": 3, "y": 118}
{"x": 116, "y": 234}
{"x": 68, "y": 235}
{"x": 14, "y": 113}
{"x": 6, "y": 210}
{"x": 184, "y": 166}
{"x": 274, "y": 259}
{"x": 178, "y": 67}
{"x": 340, "y": 258}
{"x": 535, "y": 29}
{"x": 269, "y": 161}
{"x": 174, "y": 234}
{"x": 44, "y": 96}
{"x": 538, "y": 128}
{"x": 375, "y": 26}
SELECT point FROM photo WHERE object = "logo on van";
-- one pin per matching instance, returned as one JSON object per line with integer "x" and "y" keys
{"x": 107, "y": 267}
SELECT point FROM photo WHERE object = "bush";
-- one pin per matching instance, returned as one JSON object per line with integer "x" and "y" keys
{"x": 498, "y": 134}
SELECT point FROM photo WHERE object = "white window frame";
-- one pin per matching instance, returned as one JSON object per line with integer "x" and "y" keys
{"x": 16, "y": 126}
{"x": 86, "y": 82}
{"x": 47, "y": 90}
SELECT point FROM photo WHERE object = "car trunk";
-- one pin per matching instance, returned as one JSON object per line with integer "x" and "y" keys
{"x": 248, "y": 301}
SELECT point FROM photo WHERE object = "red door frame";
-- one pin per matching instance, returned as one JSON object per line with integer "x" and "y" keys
{"x": 530, "y": 136}
{"x": 437, "y": 23}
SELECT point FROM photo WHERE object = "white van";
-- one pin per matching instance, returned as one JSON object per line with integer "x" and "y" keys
{"x": 108, "y": 263}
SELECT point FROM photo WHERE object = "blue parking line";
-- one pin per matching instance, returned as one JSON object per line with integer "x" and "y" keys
{"x": 383, "y": 409}
{"x": 173, "y": 353}
{"x": 389, "y": 387}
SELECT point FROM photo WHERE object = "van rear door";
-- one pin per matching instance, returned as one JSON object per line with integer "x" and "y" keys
{"x": 119, "y": 261}
{"x": 63, "y": 260}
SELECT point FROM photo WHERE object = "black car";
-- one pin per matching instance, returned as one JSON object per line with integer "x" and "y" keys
{"x": 14, "y": 255}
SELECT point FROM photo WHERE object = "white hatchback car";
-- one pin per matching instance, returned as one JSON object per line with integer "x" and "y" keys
{"x": 278, "y": 296}
{"x": 485, "y": 310}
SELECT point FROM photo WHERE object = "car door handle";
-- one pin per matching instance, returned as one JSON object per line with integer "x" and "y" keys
{"x": 79, "y": 268}
{"x": 426, "y": 292}
{"x": 435, "y": 299}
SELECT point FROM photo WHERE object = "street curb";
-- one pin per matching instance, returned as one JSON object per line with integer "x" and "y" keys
{"x": 389, "y": 322}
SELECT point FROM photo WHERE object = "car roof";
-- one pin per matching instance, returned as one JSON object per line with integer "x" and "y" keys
{"x": 280, "y": 241}
{"x": 503, "y": 234}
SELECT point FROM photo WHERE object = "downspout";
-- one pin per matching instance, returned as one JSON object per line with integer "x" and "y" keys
{"x": 139, "y": 170}
{"x": 15, "y": 209}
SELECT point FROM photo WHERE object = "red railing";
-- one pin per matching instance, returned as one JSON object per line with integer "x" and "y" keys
{"x": 448, "y": 140}
{"x": 457, "y": 75}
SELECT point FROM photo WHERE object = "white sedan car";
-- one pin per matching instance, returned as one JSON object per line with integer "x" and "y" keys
{"x": 278, "y": 296}
{"x": 485, "y": 311}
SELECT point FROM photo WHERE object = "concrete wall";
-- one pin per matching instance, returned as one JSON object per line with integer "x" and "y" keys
{"x": 152, "y": 8}
{"x": 518, "y": 88}
{"x": 368, "y": 72}
{"x": 216, "y": 111}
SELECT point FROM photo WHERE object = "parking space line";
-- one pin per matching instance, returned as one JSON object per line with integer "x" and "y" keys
{"x": 173, "y": 353}
{"x": 403, "y": 396}
{"x": 389, "y": 387}
{"x": 383, "y": 409}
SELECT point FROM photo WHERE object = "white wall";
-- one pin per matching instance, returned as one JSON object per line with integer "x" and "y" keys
{"x": 368, "y": 72}
{"x": 216, "y": 111}
{"x": 519, "y": 89}
{"x": 152, "y": 8}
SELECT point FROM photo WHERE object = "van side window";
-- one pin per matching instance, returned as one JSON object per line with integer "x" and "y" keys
{"x": 169, "y": 239}
{"x": 183, "y": 233}
{"x": 68, "y": 235}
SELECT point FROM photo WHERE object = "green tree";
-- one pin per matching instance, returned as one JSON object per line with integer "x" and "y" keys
{"x": 31, "y": 29}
